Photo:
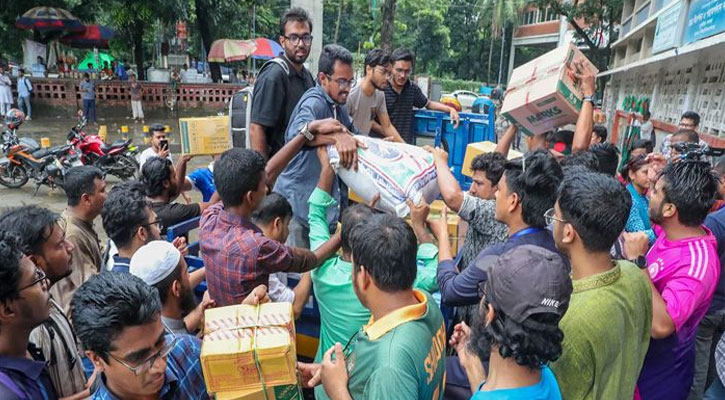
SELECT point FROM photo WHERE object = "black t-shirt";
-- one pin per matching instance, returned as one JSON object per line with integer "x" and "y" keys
{"x": 174, "y": 213}
{"x": 274, "y": 98}
{"x": 400, "y": 108}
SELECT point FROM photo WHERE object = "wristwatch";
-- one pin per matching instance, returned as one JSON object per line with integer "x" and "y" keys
{"x": 641, "y": 262}
{"x": 589, "y": 99}
{"x": 305, "y": 131}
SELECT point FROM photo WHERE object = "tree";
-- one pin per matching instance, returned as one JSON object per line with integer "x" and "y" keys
{"x": 593, "y": 22}
{"x": 386, "y": 30}
{"x": 131, "y": 18}
{"x": 501, "y": 12}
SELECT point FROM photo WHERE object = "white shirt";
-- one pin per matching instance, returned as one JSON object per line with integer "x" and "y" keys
{"x": 278, "y": 290}
{"x": 148, "y": 153}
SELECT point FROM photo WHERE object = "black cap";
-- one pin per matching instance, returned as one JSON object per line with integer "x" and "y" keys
{"x": 529, "y": 280}
{"x": 158, "y": 128}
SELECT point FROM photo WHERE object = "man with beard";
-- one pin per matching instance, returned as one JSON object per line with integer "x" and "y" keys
{"x": 161, "y": 265}
{"x": 683, "y": 268}
{"x": 367, "y": 100}
{"x": 44, "y": 242}
{"x": 281, "y": 83}
{"x": 322, "y": 102}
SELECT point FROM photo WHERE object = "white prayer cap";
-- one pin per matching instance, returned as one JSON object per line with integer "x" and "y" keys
{"x": 155, "y": 261}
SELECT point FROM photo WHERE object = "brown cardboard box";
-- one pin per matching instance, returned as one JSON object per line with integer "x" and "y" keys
{"x": 241, "y": 342}
{"x": 541, "y": 96}
{"x": 474, "y": 149}
{"x": 207, "y": 135}
{"x": 281, "y": 392}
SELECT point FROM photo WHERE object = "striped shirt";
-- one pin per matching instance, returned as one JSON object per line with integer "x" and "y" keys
{"x": 685, "y": 272}
{"x": 184, "y": 378}
{"x": 57, "y": 342}
{"x": 400, "y": 108}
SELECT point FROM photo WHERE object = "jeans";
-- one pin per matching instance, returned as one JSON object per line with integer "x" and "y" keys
{"x": 89, "y": 109}
{"x": 299, "y": 235}
{"x": 24, "y": 105}
{"x": 716, "y": 391}
{"x": 709, "y": 331}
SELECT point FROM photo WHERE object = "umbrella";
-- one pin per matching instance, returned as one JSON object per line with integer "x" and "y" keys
{"x": 226, "y": 50}
{"x": 266, "y": 49}
{"x": 90, "y": 58}
{"x": 47, "y": 19}
{"x": 94, "y": 36}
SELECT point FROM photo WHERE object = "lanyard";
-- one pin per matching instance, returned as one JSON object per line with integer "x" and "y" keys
{"x": 526, "y": 231}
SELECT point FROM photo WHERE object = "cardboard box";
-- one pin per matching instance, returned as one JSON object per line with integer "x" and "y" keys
{"x": 208, "y": 135}
{"x": 541, "y": 96}
{"x": 474, "y": 149}
{"x": 281, "y": 392}
{"x": 453, "y": 222}
{"x": 241, "y": 342}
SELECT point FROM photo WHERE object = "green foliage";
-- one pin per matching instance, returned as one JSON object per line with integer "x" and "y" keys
{"x": 450, "y": 85}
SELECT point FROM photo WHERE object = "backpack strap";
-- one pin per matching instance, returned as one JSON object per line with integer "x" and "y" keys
{"x": 278, "y": 61}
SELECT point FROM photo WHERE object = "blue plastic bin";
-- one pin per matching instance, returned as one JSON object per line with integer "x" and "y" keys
{"x": 472, "y": 128}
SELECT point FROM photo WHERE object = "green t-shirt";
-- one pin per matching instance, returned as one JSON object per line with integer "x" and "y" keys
{"x": 606, "y": 335}
{"x": 401, "y": 356}
{"x": 341, "y": 314}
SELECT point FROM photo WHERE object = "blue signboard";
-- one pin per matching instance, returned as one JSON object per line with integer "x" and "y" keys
{"x": 705, "y": 18}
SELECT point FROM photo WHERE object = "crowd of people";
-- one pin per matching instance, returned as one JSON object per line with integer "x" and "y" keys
{"x": 576, "y": 279}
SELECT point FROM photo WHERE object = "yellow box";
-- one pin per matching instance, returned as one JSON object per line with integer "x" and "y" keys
{"x": 241, "y": 342}
{"x": 474, "y": 149}
{"x": 103, "y": 132}
{"x": 45, "y": 142}
{"x": 145, "y": 129}
{"x": 124, "y": 128}
{"x": 208, "y": 135}
{"x": 281, "y": 392}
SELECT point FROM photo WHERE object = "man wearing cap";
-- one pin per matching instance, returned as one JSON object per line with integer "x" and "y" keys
{"x": 607, "y": 327}
{"x": 526, "y": 295}
{"x": 160, "y": 264}
{"x": 400, "y": 353}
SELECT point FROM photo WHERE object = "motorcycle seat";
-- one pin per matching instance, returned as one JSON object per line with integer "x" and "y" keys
{"x": 118, "y": 143}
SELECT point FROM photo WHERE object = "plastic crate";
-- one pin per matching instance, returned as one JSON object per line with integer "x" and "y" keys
{"x": 472, "y": 128}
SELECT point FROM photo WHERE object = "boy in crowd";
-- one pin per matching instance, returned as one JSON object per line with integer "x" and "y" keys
{"x": 517, "y": 325}
{"x": 25, "y": 304}
{"x": 366, "y": 101}
{"x": 684, "y": 268}
{"x": 607, "y": 327}
{"x": 117, "y": 318}
{"x": 400, "y": 353}
{"x": 273, "y": 217}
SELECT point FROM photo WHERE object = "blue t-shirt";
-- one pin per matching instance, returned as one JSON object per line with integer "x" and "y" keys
{"x": 716, "y": 223}
{"x": 203, "y": 180}
{"x": 461, "y": 289}
{"x": 546, "y": 389}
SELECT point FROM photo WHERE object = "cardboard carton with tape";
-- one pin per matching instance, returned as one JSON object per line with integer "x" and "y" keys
{"x": 541, "y": 95}
{"x": 475, "y": 149}
{"x": 204, "y": 136}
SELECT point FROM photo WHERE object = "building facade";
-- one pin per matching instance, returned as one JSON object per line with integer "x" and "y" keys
{"x": 671, "y": 52}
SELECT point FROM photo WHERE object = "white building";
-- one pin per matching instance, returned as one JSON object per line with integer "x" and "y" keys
{"x": 672, "y": 52}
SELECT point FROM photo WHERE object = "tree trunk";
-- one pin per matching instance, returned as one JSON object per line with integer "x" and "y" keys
{"x": 339, "y": 17}
{"x": 138, "y": 51}
{"x": 490, "y": 59}
{"x": 202, "y": 20}
{"x": 386, "y": 32}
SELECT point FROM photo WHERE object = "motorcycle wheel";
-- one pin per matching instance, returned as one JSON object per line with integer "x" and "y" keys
{"x": 126, "y": 167}
{"x": 14, "y": 176}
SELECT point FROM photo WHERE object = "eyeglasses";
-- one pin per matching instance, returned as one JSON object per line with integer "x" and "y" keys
{"x": 295, "y": 39}
{"x": 386, "y": 72}
{"x": 146, "y": 365}
{"x": 549, "y": 217}
{"x": 157, "y": 223}
{"x": 40, "y": 277}
{"x": 343, "y": 83}
{"x": 405, "y": 72}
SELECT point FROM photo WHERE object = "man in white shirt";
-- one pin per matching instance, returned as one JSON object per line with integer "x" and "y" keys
{"x": 647, "y": 130}
{"x": 366, "y": 101}
{"x": 159, "y": 145}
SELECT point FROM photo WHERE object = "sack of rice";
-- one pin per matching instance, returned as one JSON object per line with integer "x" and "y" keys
{"x": 397, "y": 171}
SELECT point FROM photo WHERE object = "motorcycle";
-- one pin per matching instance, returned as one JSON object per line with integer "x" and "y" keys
{"x": 24, "y": 160}
{"x": 117, "y": 158}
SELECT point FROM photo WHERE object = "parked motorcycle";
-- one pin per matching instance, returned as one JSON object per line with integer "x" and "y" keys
{"x": 25, "y": 160}
{"x": 117, "y": 158}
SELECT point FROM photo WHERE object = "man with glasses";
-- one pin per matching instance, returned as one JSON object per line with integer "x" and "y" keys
{"x": 24, "y": 305}
{"x": 402, "y": 95}
{"x": 118, "y": 320}
{"x": 281, "y": 83}
{"x": 366, "y": 101}
{"x": 44, "y": 241}
{"x": 690, "y": 120}
{"x": 321, "y": 118}
{"x": 611, "y": 299}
